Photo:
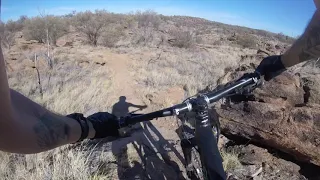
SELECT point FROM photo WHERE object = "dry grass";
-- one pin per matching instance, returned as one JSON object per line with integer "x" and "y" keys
{"x": 69, "y": 162}
{"x": 75, "y": 84}
{"x": 230, "y": 160}
{"x": 192, "y": 70}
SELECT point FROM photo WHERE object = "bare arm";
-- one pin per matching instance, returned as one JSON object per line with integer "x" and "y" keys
{"x": 137, "y": 106}
{"x": 307, "y": 47}
{"x": 26, "y": 127}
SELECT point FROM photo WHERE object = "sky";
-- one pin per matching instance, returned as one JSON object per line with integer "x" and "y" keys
{"x": 286, "y": 16}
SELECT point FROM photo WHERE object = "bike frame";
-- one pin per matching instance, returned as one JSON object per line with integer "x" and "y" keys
{"x": 210, "y": 156}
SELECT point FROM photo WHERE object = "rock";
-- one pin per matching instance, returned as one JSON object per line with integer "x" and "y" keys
{"x": 311, "y": 86}
{"x": 295, "y": 130}
{"x": 277, "y": 116}
{"x": 284, "y": 89}
{"x": 262, "y": 163}
{"x": 285, "y": 86}
{"x": 223, "y": 141}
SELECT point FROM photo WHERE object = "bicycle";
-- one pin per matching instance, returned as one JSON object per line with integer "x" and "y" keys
{"x": 204, "y": 142}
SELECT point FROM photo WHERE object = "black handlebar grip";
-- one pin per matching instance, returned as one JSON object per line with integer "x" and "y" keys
{"x": 271, "y": 67}
{"x": 270, "y": 75}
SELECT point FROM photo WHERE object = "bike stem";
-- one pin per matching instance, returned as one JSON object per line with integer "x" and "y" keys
{"x": 206, "y": 141}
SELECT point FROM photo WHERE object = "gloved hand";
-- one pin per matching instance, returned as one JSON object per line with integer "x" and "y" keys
{"x": 105, "y": 124}
{"x": 270, "y": 67}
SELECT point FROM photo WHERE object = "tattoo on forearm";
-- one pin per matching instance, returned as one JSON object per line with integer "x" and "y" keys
{"x": 50, "y": 132}
{"x": 311, "y": 41}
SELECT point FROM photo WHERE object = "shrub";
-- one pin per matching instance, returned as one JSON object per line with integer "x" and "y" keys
{"x": 284, "y": 38}
{"x": 13, "y": 26}
{"x": 92, "y": 24}
{"x": 36, "y": 28}
{"x": 148, "y": 18}
{"x": 182, "y": 39}
{"x": 7, "y": 34}
{"x": 144, "y": 36}
{"x": 111, "y": 36}
{"x": 246, "y": 41}
{"x": 7, "y": 39}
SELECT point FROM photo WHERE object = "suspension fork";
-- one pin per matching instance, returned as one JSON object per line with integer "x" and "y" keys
{"x": 206, "y": 141}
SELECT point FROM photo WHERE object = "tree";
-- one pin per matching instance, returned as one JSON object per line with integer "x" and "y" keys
{"x": 8, "y": 39}
{"x": 7, "y": 34}
{"x": 148, "y": 18}
{"x": 45, "y": 29}
{"x": 92, "y": 24}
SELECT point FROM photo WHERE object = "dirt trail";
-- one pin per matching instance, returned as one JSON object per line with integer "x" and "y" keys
{"x": 149, "y": 145}
{"x": 123, "y": 81}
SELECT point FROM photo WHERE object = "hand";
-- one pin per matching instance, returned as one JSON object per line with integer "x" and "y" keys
{"x": 105, "y": 124}
{"x": 270, "y": 67}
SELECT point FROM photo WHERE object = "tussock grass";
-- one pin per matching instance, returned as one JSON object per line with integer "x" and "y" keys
{"x": 55, "y": 164}
{"x": 230, "y": 160}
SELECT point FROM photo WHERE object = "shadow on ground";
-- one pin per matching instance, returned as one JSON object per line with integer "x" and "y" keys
{"x": 157, "y": 157}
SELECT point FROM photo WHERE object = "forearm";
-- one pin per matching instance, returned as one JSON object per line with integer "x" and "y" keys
{"x": 307, "y": 47}
{"x": 36, "y": 129}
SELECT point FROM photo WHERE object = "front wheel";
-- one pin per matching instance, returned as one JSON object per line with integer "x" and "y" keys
{"x": 193, "y": 165}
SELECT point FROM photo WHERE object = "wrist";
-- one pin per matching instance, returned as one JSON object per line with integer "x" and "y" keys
{"x": 92, "y": 131}
{"x": 279, "y": 66}
{"x": 84, "y": 125}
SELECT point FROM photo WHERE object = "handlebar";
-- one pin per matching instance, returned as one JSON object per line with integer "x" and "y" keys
{"x": 245, "y": 84}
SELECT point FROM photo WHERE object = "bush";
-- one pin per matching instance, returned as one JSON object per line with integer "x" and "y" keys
{"x": 36, "y": 28}
{"x": 182, "y": 39}
{"x": 283, "y": 38}
{"x": 8, "y": 39}
{"x": 148, "y": 18}
{"x": 92, "y": 24}
{"x": 111, "y": 36}
{"x": 246, "y": 41}
{"x": 13, "y": 26}
{"x": 7, "y": 33}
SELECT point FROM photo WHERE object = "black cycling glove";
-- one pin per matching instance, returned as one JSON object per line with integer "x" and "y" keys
{"x": 105, "y": 124}
{"x": 271, "y": 67}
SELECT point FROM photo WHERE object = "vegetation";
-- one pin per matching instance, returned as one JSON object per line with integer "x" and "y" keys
{"x": 148, "y": 18}
{"x": 182, "y": 39}
{"x": 246, "y": 41}
{"x": 92, "y": 24}
{"x": 43, "y": 29}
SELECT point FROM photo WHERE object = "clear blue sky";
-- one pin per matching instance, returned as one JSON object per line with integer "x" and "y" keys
{"x": 287, "y": 16}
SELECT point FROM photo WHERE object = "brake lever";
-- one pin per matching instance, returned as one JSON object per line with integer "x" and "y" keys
{"x": 246, "y": 93}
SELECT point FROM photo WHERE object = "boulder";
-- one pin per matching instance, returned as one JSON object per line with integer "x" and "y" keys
{"x": 280, "y": 115}
{"x": 285, "y": 86}
{"x": 295, "y": 130}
